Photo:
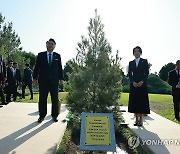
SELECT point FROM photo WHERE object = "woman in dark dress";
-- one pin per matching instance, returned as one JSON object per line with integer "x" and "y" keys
{"x": 138, "y": 98}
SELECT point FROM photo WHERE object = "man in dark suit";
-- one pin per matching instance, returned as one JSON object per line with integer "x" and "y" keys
{"x": 9, "y": 81}
{"x": 174, "y": 81}
{"x": 17, "y": 80}
{"x": 27, "y": 81}
{"x": 2, "y": 79}
{"x": 48, "y": 71}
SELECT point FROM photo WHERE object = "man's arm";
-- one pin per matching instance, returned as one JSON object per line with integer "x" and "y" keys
{"x": 61, "y": 76}
{"x": 171, "y": 80}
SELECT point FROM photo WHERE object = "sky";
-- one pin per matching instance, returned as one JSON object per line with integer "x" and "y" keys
{"x": 154, "y": 25}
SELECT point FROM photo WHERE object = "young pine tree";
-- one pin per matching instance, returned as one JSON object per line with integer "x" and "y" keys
{"x": 96, "y": 79}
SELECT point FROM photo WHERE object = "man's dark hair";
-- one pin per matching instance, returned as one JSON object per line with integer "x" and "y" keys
{"x": 178, "y": 62}
{"x": 137, "y": 47}
{"x": 27, "y": 65}
{"x": 52, "y": 40}
{"x": 14, "y": 63}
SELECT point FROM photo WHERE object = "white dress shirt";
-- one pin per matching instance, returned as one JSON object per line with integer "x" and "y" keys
{"x": 14, "y": 71}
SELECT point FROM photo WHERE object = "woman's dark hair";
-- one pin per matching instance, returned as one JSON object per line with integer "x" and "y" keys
{"x": 137, "y": 47}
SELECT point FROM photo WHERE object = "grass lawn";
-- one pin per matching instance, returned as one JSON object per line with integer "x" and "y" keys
{"x": 62, "y": 95}
{"x": 159, "y": 103}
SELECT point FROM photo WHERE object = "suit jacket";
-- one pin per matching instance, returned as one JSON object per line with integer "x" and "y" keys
{"x": 10, "y": 77}
{"x": 27, "y": 78}
{"x": 140, "y": 73}
{"x": 173, "y": 81}
{"x": 18, "y": 75}
{"x": 48, "y": 73}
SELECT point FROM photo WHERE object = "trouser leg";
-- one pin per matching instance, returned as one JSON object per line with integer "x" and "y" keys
{"x": 30, "y": 89}
{"x": 9, "y": 92}
{"x": 176, "y": 101}
{"x": 54, "y": 99}
{"x": 14, "y": 92}
{"x": 43, "y": 94}
{"x": 23, "y": 90}
{"x": 2, "y": 95}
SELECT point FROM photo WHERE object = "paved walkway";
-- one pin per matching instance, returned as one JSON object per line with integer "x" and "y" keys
{"x": 156, "y": 130}
{"x": 20, "y": 132}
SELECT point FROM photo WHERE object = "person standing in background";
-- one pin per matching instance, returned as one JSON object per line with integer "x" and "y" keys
{"x": 17, "y": 80}
{"x": 27, "y": 81}
{"x": 9, "y": 81}
{"x": 3, "y": 72}
{"x": 174, "y": 81}
{"x": 48, "y": 71}
{"x": 138, "y": 98}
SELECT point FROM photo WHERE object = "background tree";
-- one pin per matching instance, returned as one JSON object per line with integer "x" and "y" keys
{"x": 125, "y": 84}
{"x": 68, "y": 68}
{"x": 1, "y": 20}
{"x": 10, "y": 45}
{"x": 157, "y": 85}
{"x": 96, "y": 80}
{"x": 29, "y": 58}
{"x": 9, "y": 40}
{"x": 149, "y": 65}
{"x": 163, "y": 73}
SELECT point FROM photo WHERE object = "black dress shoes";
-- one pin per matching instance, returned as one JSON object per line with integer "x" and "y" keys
{"x": 140, "y": 124}
{"x": 40, "y": 119}
{"x": 135, "y": 124}
{"x": 55, "y": 119}
{"x": 177, "y": 119}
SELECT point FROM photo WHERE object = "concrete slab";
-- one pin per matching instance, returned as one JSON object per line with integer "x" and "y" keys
{"x": 21, "y": 133}
{"x": 158, "y": 134}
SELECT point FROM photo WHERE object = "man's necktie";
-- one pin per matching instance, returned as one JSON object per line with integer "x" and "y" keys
{"x": 50, "y": 58}
{"x": 137, "y": 62}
